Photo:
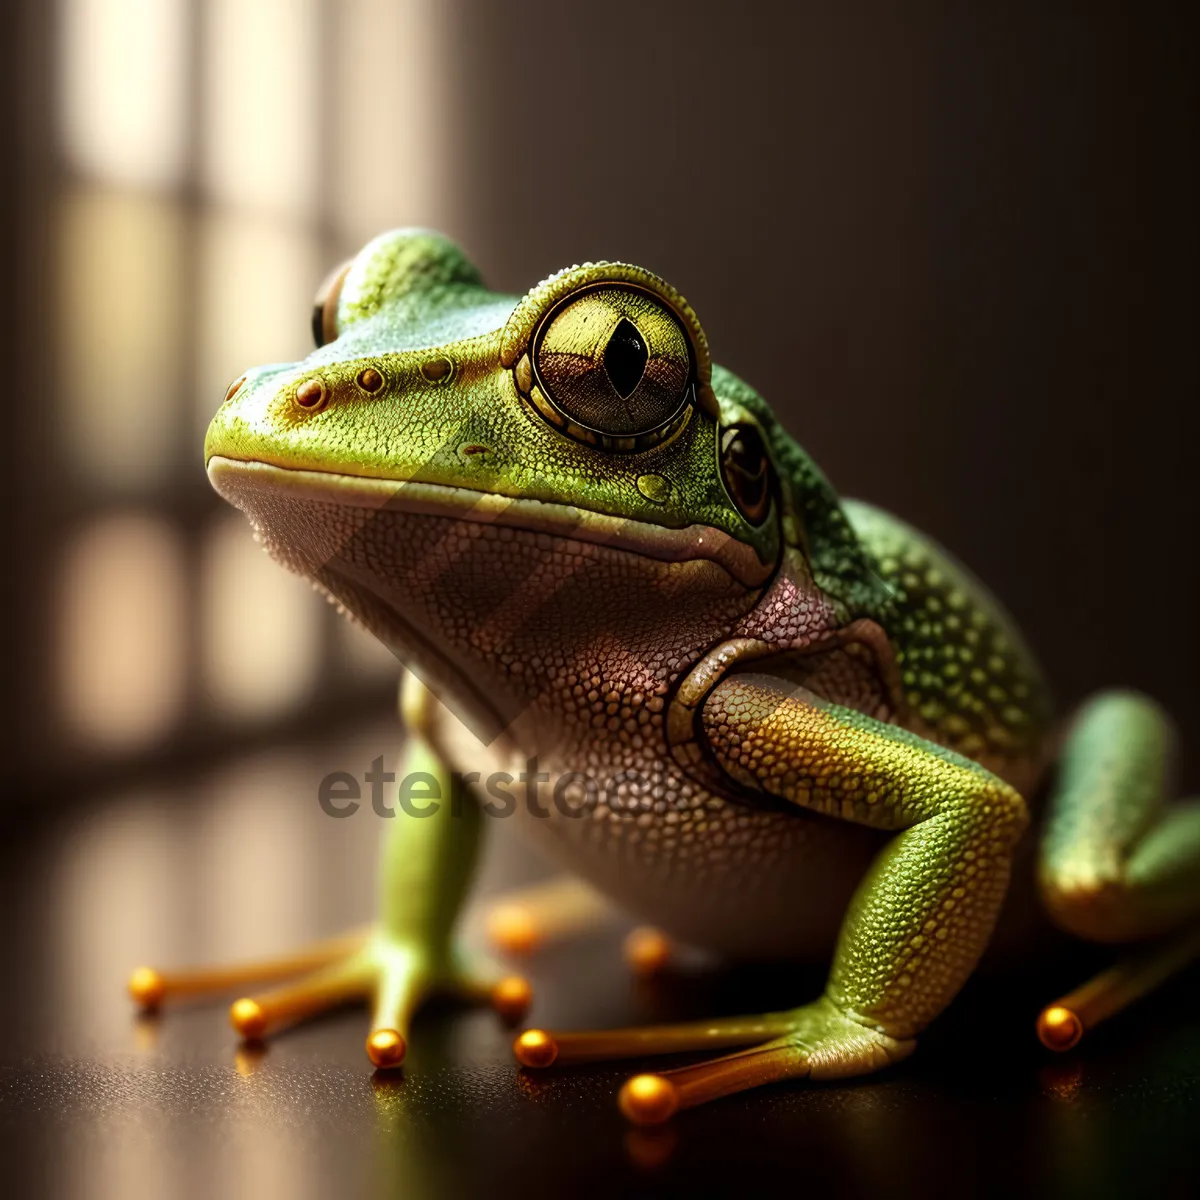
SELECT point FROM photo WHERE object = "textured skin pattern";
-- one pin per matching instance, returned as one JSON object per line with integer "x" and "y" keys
{"x": 421, "y": 267}
{"x": 1117, "y": 863}
{"x": 792, "y": 611}
{"x": 813, "y": 517}
{"x": 923, "y": 916}
{"x": 470, "y": 428}
{"x": 527, "y": 629}
{"x": 966, "y": 673}
{"x": 753, "y": 732}
{"x": 549, "y": 645}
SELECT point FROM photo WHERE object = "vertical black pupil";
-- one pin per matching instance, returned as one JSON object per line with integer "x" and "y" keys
{"x": 625, "y": 357}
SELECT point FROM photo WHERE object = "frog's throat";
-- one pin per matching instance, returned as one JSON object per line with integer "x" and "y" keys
{"x": 232, "y": 477}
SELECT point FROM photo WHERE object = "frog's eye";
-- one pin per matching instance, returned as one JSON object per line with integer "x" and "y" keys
{"x": 614, "y": 365}
{"x": 746, "y": 470}
{"x": 325, "y": 304}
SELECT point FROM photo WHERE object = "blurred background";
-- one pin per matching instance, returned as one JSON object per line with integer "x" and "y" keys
{"x": 954, "y": 245}
{"x": 955, "y": 248}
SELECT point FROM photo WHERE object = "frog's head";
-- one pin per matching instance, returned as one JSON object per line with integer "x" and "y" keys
{"x": 508, "y": 490}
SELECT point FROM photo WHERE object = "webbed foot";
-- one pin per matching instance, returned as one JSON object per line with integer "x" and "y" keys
{"x": 817, "y": 1041}
{"x": 394, "y": 976}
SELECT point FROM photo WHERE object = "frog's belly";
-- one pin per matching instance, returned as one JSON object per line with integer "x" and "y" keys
{"x": 745, "y": 881}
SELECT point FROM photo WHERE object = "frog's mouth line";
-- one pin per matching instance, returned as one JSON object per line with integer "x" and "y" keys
{"x": 231, "y": 476}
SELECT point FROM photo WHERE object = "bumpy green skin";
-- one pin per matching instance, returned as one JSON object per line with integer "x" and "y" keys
{"x": 1118, "y": 863}
{"x": 403, "y": 307}
{"x": 614, "y": 609}
{"x": 914, "y": 930}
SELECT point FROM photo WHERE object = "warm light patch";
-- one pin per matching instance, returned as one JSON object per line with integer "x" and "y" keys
{"x": 120, "y": 261}
{"x": 406, "y": 144}
{"x": 263, "y": 87}
{"x": 123, "y": 78}
{"x": 110, "y": 898}
{"x": 261, "y": 626}
{"x": 253, "y": 296}
{"x": 122, "y": 618}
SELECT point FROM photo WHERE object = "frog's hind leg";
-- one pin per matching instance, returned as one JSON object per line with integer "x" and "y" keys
{"x": 1117, "y": 863}
{"x": 918, "y": 922}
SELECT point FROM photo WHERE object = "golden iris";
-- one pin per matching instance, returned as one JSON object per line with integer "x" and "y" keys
{"x": 614, "y": 359}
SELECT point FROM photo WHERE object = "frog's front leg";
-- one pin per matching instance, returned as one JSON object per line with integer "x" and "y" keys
{"x": 408, "y": 956}
{"x": 916, "y": 927}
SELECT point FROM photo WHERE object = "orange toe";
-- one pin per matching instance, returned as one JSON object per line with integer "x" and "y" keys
{"x": 386, "y": 1048}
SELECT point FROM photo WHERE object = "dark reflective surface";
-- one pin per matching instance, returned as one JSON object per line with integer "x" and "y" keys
{"x": 96, "y": 1102}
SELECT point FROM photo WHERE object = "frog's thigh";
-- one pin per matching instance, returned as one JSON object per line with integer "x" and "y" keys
{"x": 924, "y": 912}
{"x": 1116, "y": 862}
{"x": 916, "y": 925}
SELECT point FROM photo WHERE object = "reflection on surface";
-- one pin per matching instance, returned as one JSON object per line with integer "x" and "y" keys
{"x": 117, "y": 899}
{"x": 121, "y": 631}
{"x": 240, "y": 861}
{"x": 142, "y": 1161}
{"x": 259, "y": 866}
{"x": 259, "y": 1161}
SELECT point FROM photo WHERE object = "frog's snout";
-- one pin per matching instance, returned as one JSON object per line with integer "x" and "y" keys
{"x": 245, "y": 406}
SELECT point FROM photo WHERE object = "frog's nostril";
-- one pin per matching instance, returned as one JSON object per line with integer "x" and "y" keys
{"x": 437, "y": 370}
{"x": 311, "y": 394}
{"x": 369, "y": 380}
{"x": 234, "y": 388}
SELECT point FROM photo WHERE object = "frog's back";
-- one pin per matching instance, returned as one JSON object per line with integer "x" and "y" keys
{"x": 968, "y": 677}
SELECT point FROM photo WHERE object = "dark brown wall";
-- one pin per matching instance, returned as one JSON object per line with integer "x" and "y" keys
{"x": 956, "y": 252}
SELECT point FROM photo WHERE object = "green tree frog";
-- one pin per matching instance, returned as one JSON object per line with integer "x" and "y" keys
{"x": 768, "y": 721}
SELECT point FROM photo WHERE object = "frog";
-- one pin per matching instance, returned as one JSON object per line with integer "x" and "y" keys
{"x": 635, "y": 617}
